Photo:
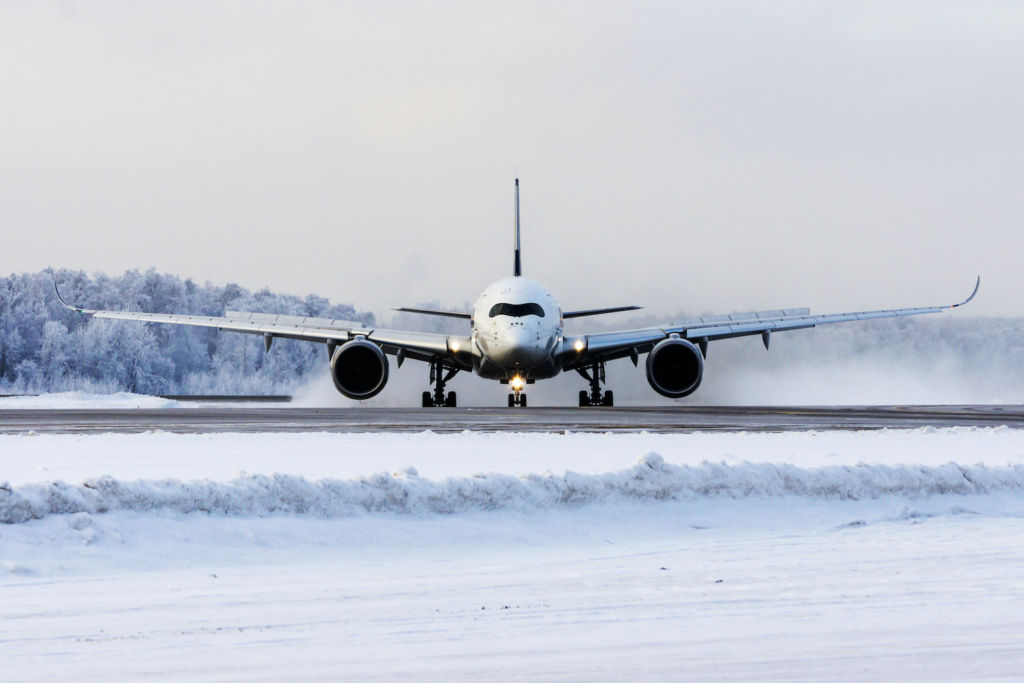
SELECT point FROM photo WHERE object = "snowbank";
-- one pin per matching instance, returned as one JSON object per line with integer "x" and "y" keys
{"x": 29, "y": 458}
{"x": 651, "y": 478}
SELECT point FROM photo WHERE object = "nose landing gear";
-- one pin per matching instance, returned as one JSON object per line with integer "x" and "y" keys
{"x": 438, "y": 377}
{"x": 596, "y": 397}
{"x": 517, "y": 397}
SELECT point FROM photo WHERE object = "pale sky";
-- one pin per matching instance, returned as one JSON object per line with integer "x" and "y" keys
{"x": 709, "y": 156}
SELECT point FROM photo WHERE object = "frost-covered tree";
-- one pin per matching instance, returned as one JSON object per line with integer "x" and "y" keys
{"x": 45, "y": 347}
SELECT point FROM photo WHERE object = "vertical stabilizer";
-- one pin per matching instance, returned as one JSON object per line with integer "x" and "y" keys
{"x": 517, "y": 267}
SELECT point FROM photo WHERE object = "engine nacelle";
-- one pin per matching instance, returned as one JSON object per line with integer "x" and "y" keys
{"x": 359, "y": 369}
{"x": 675, "y": 368}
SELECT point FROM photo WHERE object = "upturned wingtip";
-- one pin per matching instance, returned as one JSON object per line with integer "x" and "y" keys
{"x": 63, "y": 303}
{"x": 977, "y": 285}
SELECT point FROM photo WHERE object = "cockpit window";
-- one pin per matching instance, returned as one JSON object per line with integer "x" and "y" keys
{"x": 516, "y": 310}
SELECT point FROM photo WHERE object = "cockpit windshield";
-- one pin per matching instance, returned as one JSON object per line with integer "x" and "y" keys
{"x": 516, "y": 310}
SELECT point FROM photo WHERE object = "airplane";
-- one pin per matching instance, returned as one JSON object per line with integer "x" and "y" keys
{"x": 516, "y": 336}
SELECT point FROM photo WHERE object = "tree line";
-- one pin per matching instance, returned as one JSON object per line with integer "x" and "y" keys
{"x": 45, "y": 347}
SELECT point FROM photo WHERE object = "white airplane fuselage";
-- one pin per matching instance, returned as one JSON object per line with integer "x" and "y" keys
{"x": 516, "y": 330}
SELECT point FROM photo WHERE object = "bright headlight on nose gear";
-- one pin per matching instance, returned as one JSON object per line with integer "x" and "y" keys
{"x": 579, "y": 345}
{"x": 517, "y": 383}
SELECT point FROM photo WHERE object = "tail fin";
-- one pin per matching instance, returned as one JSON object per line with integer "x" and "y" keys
{"x": 517, "y": 268}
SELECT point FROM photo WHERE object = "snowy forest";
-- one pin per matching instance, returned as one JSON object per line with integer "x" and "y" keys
{"x": 45, "y": 347}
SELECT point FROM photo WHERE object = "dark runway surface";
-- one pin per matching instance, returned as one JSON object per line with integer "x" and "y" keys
{"x": 262, "y": 418}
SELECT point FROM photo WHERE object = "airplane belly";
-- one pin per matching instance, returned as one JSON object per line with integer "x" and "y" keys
{"x": 488, "y": 370}
{"x": 545, "y": 370}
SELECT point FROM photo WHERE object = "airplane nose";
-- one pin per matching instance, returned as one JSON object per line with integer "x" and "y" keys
{"x": 521, "y": 336}
{"x": 524, "y": 348}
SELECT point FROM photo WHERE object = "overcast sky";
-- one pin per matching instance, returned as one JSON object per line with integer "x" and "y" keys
{"x": 707, "y": 156}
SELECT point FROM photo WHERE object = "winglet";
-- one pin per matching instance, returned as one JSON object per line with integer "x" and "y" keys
{"x": 976, "y": 286}
{"x": 63, "y": 303}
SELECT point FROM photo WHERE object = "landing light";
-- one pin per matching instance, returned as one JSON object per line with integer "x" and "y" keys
{"x": 578, "y": 345}
{"x": 455, "y": 346}
{"x": 517, "y": 383}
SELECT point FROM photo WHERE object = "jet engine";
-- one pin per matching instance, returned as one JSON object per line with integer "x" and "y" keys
{"x": 359, "y": 369}
{"x": 675, "y": 368}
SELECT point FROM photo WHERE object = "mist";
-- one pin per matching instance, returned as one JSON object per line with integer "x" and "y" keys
{"x": 952, "y": 359}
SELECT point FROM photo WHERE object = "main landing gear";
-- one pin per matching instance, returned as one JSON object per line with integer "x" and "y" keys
{"x": 438, "y": 377}
{"x": 595, "y": 375}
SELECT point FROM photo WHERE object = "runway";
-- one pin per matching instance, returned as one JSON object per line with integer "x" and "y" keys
{"x": 261, "y": 418}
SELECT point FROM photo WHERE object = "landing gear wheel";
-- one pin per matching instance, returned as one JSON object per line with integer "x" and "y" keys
{"x": 438, "y": 377}
{"x": 594, "y": 374}
{"x": 517, "y": 400}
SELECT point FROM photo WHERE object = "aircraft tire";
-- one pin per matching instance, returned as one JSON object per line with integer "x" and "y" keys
{"x": 450, "y": 401}
{"x": 428, "y": 401}
{"x": 608, "y": 399}
{"x": 584, "y": 399}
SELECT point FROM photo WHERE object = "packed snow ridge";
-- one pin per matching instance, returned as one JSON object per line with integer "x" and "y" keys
{"x": 651, "y": 478}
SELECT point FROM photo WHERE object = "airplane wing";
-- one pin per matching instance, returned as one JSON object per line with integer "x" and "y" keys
{"x": 583, "y": 350}
{"x": 405, "y": 344}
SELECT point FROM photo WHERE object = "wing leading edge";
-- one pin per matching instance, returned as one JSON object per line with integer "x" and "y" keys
{"x": 416, "y": 345}
{"x": 582, "y": 350}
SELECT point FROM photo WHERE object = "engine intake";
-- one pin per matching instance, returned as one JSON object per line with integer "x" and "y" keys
{"x": 359, "y": 369}
{"x": 675, "y": 368}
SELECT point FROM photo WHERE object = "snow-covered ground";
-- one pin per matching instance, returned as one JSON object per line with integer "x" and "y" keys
{"x": 853, "y": 555}
{"x": 71, "y": 400}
